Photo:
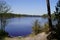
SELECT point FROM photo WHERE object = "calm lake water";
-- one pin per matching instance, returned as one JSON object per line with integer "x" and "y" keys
{"x": 22, "y": 26}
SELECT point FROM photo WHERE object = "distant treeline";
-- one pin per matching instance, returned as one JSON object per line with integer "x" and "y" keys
{"x": 46, "y": 15}
{"x": 12, "y": 15}
{"x": 9, "y": 15}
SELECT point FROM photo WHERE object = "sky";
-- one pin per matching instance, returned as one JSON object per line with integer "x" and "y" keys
{"x": 31, "y": 7}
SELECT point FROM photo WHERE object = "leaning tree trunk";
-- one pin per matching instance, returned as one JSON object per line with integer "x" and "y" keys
{"x": 49, "y": 14}
{"x": 49, "y": 19}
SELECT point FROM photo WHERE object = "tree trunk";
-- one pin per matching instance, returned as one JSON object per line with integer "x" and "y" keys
{"x": 49, "y": 14}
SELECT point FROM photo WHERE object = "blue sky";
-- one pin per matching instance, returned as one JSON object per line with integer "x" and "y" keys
{"x": 32, "y": 7}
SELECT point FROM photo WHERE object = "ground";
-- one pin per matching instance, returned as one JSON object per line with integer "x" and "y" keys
{"x": 41, "y": 36}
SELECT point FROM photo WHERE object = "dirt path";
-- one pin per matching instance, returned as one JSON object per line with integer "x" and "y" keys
{"x": 41, "y": 36}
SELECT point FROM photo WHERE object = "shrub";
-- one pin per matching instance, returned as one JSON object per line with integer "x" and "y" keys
{"x": 36, "y": 28}
{"x": 3, "y": 34}
{"x": 46, "y": 28}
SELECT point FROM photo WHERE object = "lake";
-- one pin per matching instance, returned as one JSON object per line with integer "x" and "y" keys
{"x": 22, "y": 26}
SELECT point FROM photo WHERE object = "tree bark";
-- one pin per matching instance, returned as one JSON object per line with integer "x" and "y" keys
{"x": 49, "y": 14}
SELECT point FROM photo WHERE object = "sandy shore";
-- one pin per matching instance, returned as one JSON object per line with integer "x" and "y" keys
{"x": 41, "y": 36}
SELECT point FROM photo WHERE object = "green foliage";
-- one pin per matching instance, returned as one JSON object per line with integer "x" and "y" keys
{"x": 9, "y": 15}
{"x": 36, "y": 28}
{"x": 55, "y": 33}
{"x": 46, "y": 28}
{"x": 3, "y": 34}
{"x": 57, "y": 29}
{"x": 46, "y": 15}
{"x": 4, "y": 8}
{"x": 57, "y": 14}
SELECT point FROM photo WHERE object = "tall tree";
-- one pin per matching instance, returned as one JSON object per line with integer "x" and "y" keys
{"x": 49, "y": 14}
{"x": 57, "y": 14}
{"x": 55, "y": 33}
{"x": 4, "y": 8}
{"x": 49, "y": 37}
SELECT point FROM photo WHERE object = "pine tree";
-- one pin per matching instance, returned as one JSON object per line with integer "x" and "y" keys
{"x": 57, "y": 14}
{"x": 55, "y": 33}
